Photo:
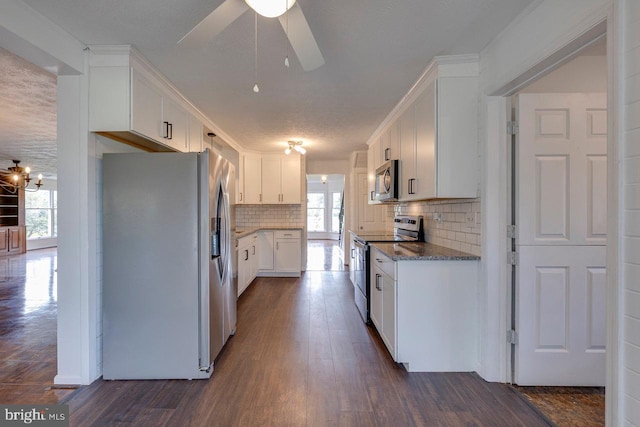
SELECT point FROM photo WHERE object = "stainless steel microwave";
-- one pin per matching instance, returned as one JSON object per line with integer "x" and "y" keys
{"x": 387, "y": 182}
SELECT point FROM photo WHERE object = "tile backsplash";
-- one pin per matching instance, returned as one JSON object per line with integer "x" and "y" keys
{"x": 255, "y": 216}
{"x": 458, "y": 227}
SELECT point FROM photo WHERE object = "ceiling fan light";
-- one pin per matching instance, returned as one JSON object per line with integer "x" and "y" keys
{"x": 270, "y": 8}
{"x": 299, "y": 149}
{"x": 288, "y": 150}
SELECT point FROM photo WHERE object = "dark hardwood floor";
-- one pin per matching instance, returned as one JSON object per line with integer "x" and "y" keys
{"x": 301, "y": 356}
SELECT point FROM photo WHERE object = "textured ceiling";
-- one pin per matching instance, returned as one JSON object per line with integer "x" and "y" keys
{"x": 374, "y": 51}
{"x": 27, "y": 115}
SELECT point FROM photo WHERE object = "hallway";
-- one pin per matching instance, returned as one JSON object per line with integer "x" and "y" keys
{"x": 325, "y": 255}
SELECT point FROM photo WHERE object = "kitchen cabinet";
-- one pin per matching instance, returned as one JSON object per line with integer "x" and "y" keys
{"x": 131, "y": 102}
{"x": 372, "y": 165}
{"x": 426, "y": 312}
{"x": 437, "y": 130}
{"x": 270, "y": 179}
{"x": 247, "y": 261}
{"x": 266, "y": 247}
{"x": 284, "y": 259}
{"x": 251, "y": 193}
{"x": 389, "y": 144}
{"x": 287, "y": 253}
{"x": 383, "y": 299}
{"x": 281, "y": 179}
{"x": 12, "y": 240}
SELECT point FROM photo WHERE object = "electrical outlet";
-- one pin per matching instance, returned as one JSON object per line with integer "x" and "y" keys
{"x": 471, "y": 218}
{"x": 437, "y": 217}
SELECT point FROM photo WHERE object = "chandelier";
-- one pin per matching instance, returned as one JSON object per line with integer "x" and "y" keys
{"x": 18, "y": 178}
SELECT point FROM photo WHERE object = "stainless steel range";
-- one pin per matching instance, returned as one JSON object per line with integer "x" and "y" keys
{"x": 406, "y": 228}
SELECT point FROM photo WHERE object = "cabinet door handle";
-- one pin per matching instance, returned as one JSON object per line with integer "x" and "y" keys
{"x": 411, "y": 190}
{"x": 379, "y": 260}
{"x": 371, "y": 195}
{"x": 165, "y": 130}
{"x": 241, "y": 196}
{"x": 352, "y": 253}
{"x": 170, "y": 130}
{"x": 378, "y": 282}
{"x": 260, "y": 196}
{"x": 387, "y": 156}
{"x": 246, "y": 254}
{"x": 254, "y": 250}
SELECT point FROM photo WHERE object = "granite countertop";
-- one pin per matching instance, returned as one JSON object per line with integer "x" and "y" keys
{"x": 248, "y": 231}
{"x": 421, "y": 251}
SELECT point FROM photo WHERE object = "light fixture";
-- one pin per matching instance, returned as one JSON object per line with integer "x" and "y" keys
{"x": 323, "y": 178}
{"x": 270, "y": 8}
{"x": 17, "y": 178}
{"x": 295, "y": 145}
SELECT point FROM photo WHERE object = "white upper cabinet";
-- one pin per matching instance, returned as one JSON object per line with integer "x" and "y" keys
{"x": 436, "y": 129}
{"x": 270, "y": 179}
{"x": 372, "y": 165}
{"x": 290, "y": 174}
{"x": 130, "y": 101}
{"x": 252, "y": 173}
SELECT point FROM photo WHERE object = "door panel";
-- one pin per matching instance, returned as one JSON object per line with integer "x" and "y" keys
{"x": 561, "y": 316}
{"x": 561, "y": 216}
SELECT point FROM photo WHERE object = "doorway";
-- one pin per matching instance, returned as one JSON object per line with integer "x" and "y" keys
{"x": 325, "y": 222}
{"x": 558, "y": 239}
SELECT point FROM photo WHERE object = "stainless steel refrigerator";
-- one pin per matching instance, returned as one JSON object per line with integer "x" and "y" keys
{"x": 169, "y": 303}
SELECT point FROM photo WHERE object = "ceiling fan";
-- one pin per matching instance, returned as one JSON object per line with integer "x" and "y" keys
{"x": 297, "y": 28}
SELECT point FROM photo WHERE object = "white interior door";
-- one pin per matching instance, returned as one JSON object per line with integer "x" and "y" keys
{"x": 561, "y": 241}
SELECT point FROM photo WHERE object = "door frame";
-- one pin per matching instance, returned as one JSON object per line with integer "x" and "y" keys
{"x": 499, "y": 107}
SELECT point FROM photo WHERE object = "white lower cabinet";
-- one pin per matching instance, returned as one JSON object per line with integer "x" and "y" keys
{"x": 248, "y": 251}
{"x": 266, "y": 247}
{"x": 383, "y": 299}
{"x": 284, "y": 257}
{"x": 426, "y": 312}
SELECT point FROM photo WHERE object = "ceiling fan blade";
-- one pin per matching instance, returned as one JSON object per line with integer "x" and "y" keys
{"x": 214, "y": 23}
{"x": 301, "y": 39}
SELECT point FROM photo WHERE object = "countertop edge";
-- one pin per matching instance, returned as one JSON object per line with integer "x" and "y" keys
{"x": 436, "y": 252}
{"x": 250, "y": 231}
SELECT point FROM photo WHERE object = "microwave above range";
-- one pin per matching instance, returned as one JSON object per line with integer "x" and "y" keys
{"x": 386, "y": 188}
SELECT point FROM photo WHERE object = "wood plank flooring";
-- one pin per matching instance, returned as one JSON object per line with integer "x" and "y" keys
{"x": 301, "y": 356}
{"x": 28, "y": 328}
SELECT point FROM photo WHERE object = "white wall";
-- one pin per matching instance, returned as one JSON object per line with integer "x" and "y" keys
{"x": 630, "y": 211}
{"x": 584, "y": 74}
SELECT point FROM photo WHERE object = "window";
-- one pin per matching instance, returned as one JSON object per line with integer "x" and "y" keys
{"x": 336, "y": 204}
{"x": 315, "y": 212}
{"x": 41, "y": 214}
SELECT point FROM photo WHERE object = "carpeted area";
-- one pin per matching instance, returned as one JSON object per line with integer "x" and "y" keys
{"x": 568, "y": 406}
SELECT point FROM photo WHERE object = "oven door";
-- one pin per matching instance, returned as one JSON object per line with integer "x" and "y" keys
{"x": 361, "y": 288}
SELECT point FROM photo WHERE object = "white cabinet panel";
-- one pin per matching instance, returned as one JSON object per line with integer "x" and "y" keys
{"x": 176, "y": 118}
{"x": 146, "y": 107}
{"x": 252, "y": 178}
{"x": 424, "y": 186}
{"x": 271, "y": 179}
{"x": 287, "y": 256}
{"x": 290, "y": 179}
{"x": 407, "y": 125}
{"x": 266, "y": 247}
